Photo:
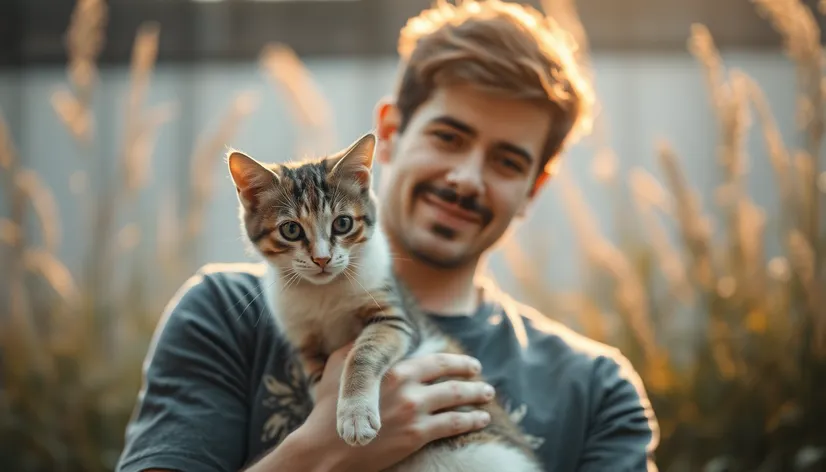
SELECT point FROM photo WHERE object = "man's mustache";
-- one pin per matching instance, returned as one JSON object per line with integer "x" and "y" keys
{"x": 466, "y": 202}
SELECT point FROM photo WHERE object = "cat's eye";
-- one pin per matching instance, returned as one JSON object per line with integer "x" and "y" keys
{"x": 291, "y": 231}
{"x": 342, "y": 224}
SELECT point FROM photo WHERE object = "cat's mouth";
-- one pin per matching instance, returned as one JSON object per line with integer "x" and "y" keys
{"x": 321, "y": 276}
{"x": 316, "y": 274}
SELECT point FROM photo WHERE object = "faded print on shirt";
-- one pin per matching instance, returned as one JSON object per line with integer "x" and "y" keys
{"x": 288, "y": 403}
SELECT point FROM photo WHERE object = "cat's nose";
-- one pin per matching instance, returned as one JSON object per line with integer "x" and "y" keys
{"x": 321, "y": 261}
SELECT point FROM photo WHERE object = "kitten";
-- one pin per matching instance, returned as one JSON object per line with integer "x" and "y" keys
{"x": 330, "y": 267}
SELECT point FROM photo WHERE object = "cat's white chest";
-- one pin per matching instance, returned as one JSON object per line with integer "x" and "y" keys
{"x": 330, "y": 311}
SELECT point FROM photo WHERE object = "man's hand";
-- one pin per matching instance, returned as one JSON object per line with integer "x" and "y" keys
{"x": 407, "y": 408}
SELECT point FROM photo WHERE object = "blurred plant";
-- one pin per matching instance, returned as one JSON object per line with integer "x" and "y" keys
{"x": 739, "y": 391}
{"x": 71, "y": 347}
{"x": 309, "y": 108}
{"x": 741, "y": 387}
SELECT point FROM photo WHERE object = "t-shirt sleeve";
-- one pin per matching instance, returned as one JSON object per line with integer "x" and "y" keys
{"x": 191, "y": 413}
{"x": 623, "y": 433}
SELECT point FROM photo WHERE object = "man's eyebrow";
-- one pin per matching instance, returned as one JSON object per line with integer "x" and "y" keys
{"x": 470, "y": 130}
{"x": 454, "y": 123}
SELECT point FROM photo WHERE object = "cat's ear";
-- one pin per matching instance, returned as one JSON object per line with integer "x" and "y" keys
{"x": 251, "y": 178}
{"x": 357, "y": 161}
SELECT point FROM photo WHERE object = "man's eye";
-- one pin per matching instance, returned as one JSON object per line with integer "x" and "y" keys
{"x": 511, "y": 163}
{"x": 446, "y": 137}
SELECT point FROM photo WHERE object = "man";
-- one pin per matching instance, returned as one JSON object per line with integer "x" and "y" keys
{"x": 488, "y": 98}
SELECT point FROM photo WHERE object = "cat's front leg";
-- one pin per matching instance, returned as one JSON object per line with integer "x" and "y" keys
{"x": 381, "y": 344}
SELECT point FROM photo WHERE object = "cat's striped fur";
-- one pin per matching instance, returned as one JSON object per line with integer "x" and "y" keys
{"x": 321, "y": 214}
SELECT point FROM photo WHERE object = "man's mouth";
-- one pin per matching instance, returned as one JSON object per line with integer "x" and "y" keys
{"x": 463, "y": 208}
{"x": 452, "y": 209}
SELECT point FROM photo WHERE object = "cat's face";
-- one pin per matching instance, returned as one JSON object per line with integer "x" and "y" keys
{"x": 311, "y": 219}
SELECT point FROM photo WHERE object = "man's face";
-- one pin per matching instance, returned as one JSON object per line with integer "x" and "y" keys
{"x": 463, "y": 168}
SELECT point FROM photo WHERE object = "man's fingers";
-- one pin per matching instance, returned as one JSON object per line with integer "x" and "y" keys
{"x": 451, "y": 423}
{"x": 428, "y": 368}
{"x": 453, "y": 393}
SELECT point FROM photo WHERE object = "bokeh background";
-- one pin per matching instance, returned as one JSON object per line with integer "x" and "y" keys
{"x": 687, "y": 230}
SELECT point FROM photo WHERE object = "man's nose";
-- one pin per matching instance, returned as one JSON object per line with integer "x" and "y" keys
{"x": 467, "y": 175}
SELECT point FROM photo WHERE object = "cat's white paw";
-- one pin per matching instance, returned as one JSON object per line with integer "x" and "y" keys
{"x": 358, "y": 420}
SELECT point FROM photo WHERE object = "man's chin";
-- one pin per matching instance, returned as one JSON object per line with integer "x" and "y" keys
{"x": 438, "y": 253}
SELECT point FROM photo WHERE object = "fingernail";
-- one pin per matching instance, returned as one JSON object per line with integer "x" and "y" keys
{"x": 488, "y": 391}
{"x": 476, "y": 365}
{"x": 483, "y": 417}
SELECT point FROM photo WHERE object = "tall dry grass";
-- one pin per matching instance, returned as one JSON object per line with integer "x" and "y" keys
{"x": 72, "y": 344}
{"x": 747, "y": 398}
{"x": 750, "y": 396}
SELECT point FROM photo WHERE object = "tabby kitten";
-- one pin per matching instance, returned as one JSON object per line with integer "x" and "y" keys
{"x": 331, "y": 282}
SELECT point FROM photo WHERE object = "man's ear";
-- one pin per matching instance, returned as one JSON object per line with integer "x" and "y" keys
{"x": 357, "y": 161}
{"x": 251, "y": 178}
{"x": 541, "y": 180}
{"x": 388, "y": 120}
{"x": 545, "y": 175}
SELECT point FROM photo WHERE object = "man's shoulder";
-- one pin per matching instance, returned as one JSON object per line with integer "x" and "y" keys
{"x": 574, "y": 352}
{"x": 203, "y": 357}
{"x": 226, "y": 294}
{"x": 588, "y": 375}
{"x": 241, "y": 275}
{"x": 220, "y": 282}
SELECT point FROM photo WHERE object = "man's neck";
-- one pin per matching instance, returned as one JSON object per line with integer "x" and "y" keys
{"x": 438, "y": 290}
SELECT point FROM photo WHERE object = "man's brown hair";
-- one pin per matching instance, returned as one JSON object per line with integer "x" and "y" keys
{"x": 503, "y": 48}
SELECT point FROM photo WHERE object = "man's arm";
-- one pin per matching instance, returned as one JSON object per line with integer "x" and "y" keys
{"x": 624, "y": 432}
{"x": 191, "y": 413}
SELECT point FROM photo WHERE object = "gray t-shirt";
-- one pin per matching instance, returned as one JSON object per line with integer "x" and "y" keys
{"x": 220, "y": 388}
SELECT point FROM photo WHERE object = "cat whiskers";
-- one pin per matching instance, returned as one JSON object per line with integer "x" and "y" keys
{"x": 397, "y": 257}
{"x": 355, "y": 279}
{"x": 293, "y": 278}
{"x": 263, "y": 289}
{"x": 291, "y": 275}
{"x": 353, "y": 264}
{"x": 354, "y": 259}
{"x": 347, "y": 274}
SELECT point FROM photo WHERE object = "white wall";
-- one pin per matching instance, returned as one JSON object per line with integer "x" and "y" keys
{"x": 645, "y": 97}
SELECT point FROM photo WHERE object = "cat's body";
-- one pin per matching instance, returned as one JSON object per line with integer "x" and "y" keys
{"x": 331, "y": 282}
